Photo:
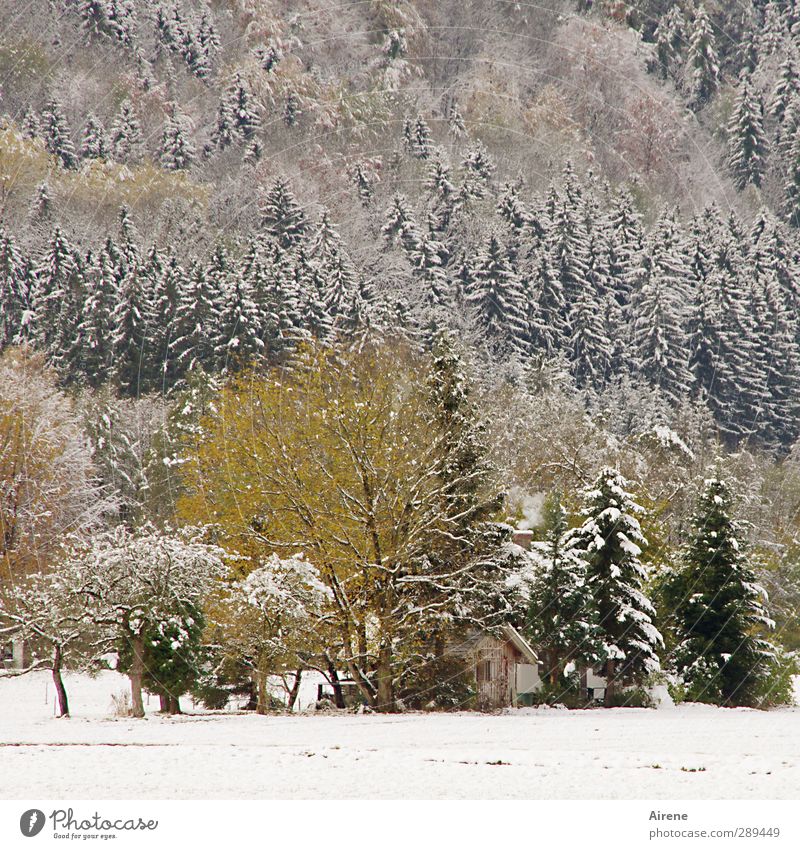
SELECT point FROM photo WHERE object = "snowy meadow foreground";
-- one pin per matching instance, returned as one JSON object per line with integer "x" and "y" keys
{"x": 688, "y": 752}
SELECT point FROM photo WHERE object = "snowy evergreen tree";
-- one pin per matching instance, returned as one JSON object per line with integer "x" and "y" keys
{"x": 670, "y": 37}
{"x": 196, "y": 311}
{"x": 610, "y": 541}
{"x": 126, "y": 134}
{"x": 57, "y": 135}
{"x": 42, "y": 206}
{"x": 95, "y": 141}
{"x": 31, "y": 127}
{"x": 246, "y": 120}
{"x": 95, "y": 329}
{"x": 702, "y": 62}
{"x": 496, "y": 301}
{"x": 291, "y": 109}
{"x": 561, "y": 619}
{"x": 792, "y": 186}
{"x": 546, "y": 306}
{"x": 590, "y": 349}
{"x": 56, "y": 298}
{"x": 658, "y": 303}
{"x": 718, "y": 609}
{"x": 132, "y": 357}
{"x": 569, "y": 248}
{"x": 786, "y": 89}
{"x": 13, "y": 290}
{"x": 747, "y": 145}
{"x": 176, "y": 151}
{"x": 282, "y": 217}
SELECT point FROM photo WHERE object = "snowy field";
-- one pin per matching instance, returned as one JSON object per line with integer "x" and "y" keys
{"x": 688, "y": 752}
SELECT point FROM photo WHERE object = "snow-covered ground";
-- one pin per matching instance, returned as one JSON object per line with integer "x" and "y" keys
{"x": 688, "y": 752}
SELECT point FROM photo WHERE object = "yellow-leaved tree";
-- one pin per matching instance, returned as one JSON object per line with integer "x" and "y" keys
{"x": 368, "y": 466}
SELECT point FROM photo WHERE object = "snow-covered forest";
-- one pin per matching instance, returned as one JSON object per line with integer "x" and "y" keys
{"x": 307, "y": 310}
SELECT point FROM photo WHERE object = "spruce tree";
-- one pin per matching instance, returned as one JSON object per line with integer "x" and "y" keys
{"x": 590, "y": 349}
{"x": 747, "y": 145}
{"x": 57, "y": 135}
{"x": 96, "y": 321}
{"x": 13, "y": 290}
{"x": 561, "y": 619}
{"x": 787, "y": 88}
{"x": 291, "y": 109}
{"x": 792, "y": 186}
{"x": 176, "y": 151}
{"x": 126, "y": 134}
{"x": 197, "y": 307}
{"x": 496, "y": 301}
{"x": 569, "y": 248}
{"x": 246, "y": 120}
{"x": 610, "y": 541}
{"x": 223, "y": 134}
{"x": 546, "y": 306}
{"x": 659, "y": 350}
{"x": 718, "y": 609}
{"x": 31, "y": 127}
{"x": 94, "y": 144}
{"x": 703, "y": 64}
{"x": 282, "y": 217}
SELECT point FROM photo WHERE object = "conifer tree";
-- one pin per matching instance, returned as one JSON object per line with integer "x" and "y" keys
{"x": 547, "y": 307}
{"x": 42, "y": 206}
{"x": 590, "y": 349}
{"x": 126, "y": 134}
{"x": 96, "y": 330}
{"x": 363, "y": 183}
{"x": 291, "y": 109}
{"x": 561, "y": 618}
{"x": 197, "y": 308}
{"x": 496, "y": 300}
{"x": 224, "y": 133}
{"x": 718, "y": 609}
{"x": 703, "y": 64}
{"x": 787, "y": 88}
{"x": 792, "y": 186}
{"x": 57, "y": 135}
{"x": 569, "y": 248}
{"x": 13, "y": 290}
{"x": 31, "y": 127}
{"x": 282, "y": 217}
{"x": 670, "y": 38}
{"x": 478, "y": 169}
{"x": 57, "y": 296}
{"x": 747, "y": 146}
{"x": 176, "y": 151}
{"x": 95, "y": 141}
{"x": 246, "y": 120}
{"x": 658, "y": 303}
{"x": 610, "y": 541}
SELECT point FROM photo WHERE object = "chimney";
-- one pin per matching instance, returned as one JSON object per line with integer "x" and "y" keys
{"x": 523, "y": 539}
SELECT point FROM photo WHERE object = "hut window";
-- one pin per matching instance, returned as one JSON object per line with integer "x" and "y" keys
{"x": 483, "y": 671}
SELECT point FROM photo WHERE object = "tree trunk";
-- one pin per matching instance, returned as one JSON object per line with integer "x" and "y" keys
{"x": 611, "y": 684}
{"x": 385, "y": 699}
{"x": 261, "y": 689}
{"x": 295, "y": 691}
{"x": 61, "y": 692}
{"x": 136, "y": 674}
{"x": 163, "y": 703}
{"x": 174, "y": 705}
{"x": 338, "y": 695}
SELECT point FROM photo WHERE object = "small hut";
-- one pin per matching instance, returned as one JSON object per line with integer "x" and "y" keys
{"x": 504, "y": 667}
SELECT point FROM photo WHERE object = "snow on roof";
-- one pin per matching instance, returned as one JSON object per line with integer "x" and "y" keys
{"x": 520, "y": 643}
